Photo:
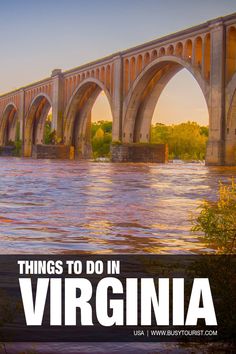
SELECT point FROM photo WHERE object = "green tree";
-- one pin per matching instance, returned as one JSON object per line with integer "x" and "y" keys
{"x": 186, "y": 141}
{"x": 49, "y": 136}
{"x": 106, "y": 126}
{"x": 101, "y": 133}
{"x": 217, "y": 220}
{"x": 17, "y": 143}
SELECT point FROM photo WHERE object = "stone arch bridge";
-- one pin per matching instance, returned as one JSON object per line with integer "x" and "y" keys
{"x": 132, "y": 81}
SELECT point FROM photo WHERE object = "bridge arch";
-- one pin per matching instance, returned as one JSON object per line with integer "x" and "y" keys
{"x": 9, "y": 124}
{"x": 35, "y": 122}
{"x": 77, "y": 118}
{"x": 145, "y": 91}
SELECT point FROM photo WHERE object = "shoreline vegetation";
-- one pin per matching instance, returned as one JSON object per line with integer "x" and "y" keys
{"x": 217, "y": 219}
{"x": 186, "y": 141}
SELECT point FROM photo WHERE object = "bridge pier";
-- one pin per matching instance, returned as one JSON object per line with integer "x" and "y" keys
{"x": 230, "y": 152}
{"x": 154, "y": 153}
{"x": 117, "y": 100}
{"x": 216, "y": 148}
{"x": 27, "y": 149}
{"x": 57, "y": 104}
{"x": 215, "y": 153}
{"x": 51, "y": 152}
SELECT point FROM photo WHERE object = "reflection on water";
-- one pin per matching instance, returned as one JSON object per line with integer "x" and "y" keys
{"x": 85, "y": 207}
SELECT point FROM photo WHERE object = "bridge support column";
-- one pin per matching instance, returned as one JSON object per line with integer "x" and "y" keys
{"x": 22, "y": 120}
{"x": 230, "y": 135}
{"x": 87, "y": 151}
{"x": 215, "y": 147}
{"x": 117, "y": 100}
{"x": 22, "y": 114}
{"x": 57, "y": 104}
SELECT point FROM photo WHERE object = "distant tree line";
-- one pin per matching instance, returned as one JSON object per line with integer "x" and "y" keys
{"x": 186, "y": 141}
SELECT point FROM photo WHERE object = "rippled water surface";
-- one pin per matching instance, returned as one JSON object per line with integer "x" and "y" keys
{"x": 73, "y": 207}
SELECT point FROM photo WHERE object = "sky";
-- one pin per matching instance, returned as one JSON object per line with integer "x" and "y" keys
{"x": 39, "y": 36}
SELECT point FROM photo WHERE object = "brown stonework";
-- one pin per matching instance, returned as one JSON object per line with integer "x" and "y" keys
{"x": 51, "y": 152}
{"x": 156, "y": 153}
{"x": 6, "y": 150}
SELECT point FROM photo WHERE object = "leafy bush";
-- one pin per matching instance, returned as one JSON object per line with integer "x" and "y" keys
{"x": 106, "y": 126}
{"x": 101, "y": 138}
{"x": 17, "y": 147}
{"x": 101, "y": 145}
{"x": 49, "y": 136}
{"x": 218, "y": 219}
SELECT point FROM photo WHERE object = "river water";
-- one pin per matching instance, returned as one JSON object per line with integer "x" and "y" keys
{"x": 63, "y": 207}
{"x": 89, "y": 207}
